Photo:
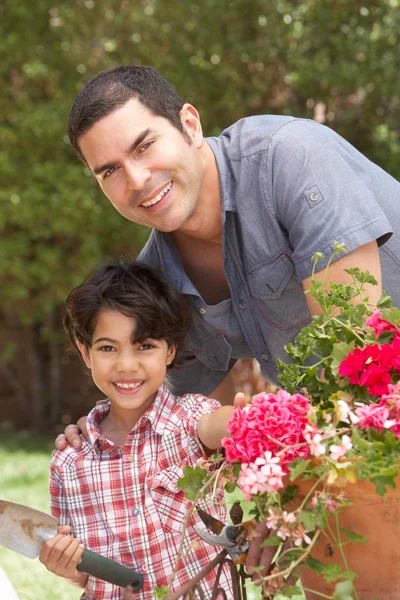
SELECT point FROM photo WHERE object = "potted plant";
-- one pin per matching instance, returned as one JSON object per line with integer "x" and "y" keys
{"x": 319, "y": 459}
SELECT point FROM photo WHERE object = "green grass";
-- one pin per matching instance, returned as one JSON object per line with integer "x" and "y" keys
{"x": 24, "y": 464}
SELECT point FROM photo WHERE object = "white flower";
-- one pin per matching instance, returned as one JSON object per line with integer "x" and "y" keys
{"x": 337, "y": 451}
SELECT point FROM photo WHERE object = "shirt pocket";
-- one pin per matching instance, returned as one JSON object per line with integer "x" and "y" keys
{"x": 169, "y": 501}
{"x": 278, "y": 293}
{"x": 208, "y": 344}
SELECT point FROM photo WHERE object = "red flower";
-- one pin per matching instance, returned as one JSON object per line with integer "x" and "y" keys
{"x": 376, "y": 379}
{"x": 352, "y": 365}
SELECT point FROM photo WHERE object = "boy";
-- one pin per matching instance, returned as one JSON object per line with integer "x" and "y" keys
{"x": 119, "y": 494}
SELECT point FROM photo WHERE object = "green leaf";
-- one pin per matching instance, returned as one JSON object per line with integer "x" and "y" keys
{"x": 297, "y": 467}
{"x": 332, "y": 573}
{"x": 343, "y": 590}
{"x": 160, "y": 592}
{"x": 311, "y": 519}
{"x": 392, "y": 315}
{"x": 289, "y": 494}
{"x": 354, "y": 537}
{"x": 382, "y": 481}
{"x": 315, "y": 564}
{"x": 290, "y": 592}
{"x": 385, "y": 301}
{"x": 339, "y": 352}
{"x": 272, "y": 540}
{"x": 230, "y": 487}
{"x": 192, "y": 482}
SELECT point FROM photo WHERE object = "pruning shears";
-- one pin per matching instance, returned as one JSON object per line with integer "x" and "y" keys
{"x": 232, "y": 537}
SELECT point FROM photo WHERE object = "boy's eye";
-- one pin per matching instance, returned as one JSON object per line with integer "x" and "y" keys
{"x": 147, "y": 347}
{"x": 106, "y": 348}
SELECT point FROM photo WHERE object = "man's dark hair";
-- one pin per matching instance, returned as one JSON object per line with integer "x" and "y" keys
{"x": 109, "y": 90}
{"x": 134, "y": 289}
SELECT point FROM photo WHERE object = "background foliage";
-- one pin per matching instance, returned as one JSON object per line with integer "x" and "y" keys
{"x": 333, "y": 60}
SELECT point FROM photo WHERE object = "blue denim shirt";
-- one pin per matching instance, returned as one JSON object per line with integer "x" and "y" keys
{"x": 289, "y": 188}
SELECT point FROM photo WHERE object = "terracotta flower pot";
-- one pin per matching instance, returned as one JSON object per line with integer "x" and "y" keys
{"x": 376, "y": 563}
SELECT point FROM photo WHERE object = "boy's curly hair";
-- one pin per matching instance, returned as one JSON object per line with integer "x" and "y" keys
{"x": 137, "y": 291}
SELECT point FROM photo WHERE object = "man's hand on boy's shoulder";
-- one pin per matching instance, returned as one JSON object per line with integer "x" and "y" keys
{"x": 72, "y": 435}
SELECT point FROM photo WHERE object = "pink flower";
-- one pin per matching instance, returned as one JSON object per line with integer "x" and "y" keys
{"x": 372, "y": 415}
{"x": 264, "y": 475}
{"x": 337, "y": 451}
{"x": 300, "y": 535}
{"x": 273, "y": 519}
{"x": 313, "y": 437}
{"x": 382, "y": 415}
{"x": 378, "y": 324}
{"x": 270, "y": 418}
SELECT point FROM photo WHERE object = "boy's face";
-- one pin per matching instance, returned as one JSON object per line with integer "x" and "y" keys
{"x": 148, "y": 170}
{"x": 129, "y": 374}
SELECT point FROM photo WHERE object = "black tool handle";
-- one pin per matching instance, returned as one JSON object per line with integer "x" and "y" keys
{"x": 108, "y": 570}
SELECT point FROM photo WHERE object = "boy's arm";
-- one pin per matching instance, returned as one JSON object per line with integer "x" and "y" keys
{"x": 212, "y": 428}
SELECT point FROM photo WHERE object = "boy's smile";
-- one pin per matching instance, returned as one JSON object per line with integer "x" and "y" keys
{"x": 129, "y": 374}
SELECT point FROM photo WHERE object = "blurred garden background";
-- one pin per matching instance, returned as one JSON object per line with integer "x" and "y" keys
{"x": 335, "y": 61}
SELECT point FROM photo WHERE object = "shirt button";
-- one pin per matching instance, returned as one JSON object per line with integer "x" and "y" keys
{"x": 135, "y": 512}
{"x": 145, "y": 568}
{"x": 202, "y": 311}
{"x": 264, "y": 357}
{"x": 242, "y": 304}
{"x": 314, "y": 197}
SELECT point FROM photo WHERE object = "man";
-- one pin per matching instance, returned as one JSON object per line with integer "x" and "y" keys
{"x": 236, "y": 219}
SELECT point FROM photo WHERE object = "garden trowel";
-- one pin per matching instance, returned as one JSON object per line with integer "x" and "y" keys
{"x": 24, "y": 530}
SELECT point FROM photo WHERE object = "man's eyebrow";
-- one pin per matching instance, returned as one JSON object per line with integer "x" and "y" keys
{"x": 139, "y": 139}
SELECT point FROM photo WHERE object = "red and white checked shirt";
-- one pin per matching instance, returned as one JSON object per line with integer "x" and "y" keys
{"x": 124, "y": 503}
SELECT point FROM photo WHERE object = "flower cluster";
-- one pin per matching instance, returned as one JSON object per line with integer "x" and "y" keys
{"x": 342, "y": 427}
{"x": 375, "y": 365}
{"x": 334, "y": 422}
{"x": 270, "y": 417}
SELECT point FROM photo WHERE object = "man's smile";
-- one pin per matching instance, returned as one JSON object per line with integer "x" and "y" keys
{"x": 158, "y": 197}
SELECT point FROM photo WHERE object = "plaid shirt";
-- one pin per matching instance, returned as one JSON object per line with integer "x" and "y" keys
{"x": 124, "y": 502}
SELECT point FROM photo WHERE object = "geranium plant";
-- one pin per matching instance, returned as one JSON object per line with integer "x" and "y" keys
{"x": 335, "y": 422}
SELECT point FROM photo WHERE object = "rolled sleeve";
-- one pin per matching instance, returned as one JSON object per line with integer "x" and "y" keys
{"x": 322, "y": 193}
{"x": 198, "y": 406}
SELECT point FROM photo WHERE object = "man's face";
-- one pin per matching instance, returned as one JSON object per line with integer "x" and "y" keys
{"x": 147, "y": 169}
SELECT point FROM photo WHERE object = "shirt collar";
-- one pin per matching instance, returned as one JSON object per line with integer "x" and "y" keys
{"x": 171, "y": 263}
{"x": 158, "y": 415}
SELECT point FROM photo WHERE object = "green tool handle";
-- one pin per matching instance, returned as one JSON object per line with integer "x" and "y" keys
{"x": 108, "y": 570}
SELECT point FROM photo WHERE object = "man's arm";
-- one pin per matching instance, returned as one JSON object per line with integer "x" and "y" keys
{"x": 366, "y": 258}
{"x": 225, "y": 392}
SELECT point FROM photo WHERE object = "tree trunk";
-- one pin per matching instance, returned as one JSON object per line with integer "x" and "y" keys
{"x": 56, "y": 398}
{"x": 39, "y": 386}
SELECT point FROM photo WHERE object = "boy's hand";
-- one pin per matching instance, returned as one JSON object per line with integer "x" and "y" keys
{"x": 61, "y": 555}
{"x": 129, "y": 594}
{"x": 239, "y": 400}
